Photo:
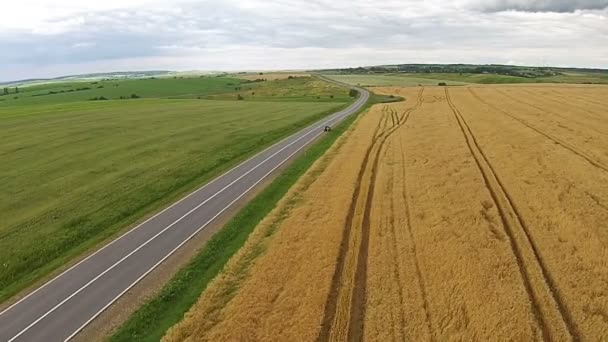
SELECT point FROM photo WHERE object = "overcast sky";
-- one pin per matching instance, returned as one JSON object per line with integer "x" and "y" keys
{"x": 60, "y": 37}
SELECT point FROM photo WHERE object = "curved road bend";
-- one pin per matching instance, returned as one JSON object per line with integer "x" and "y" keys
{"x": 60, "y": 308}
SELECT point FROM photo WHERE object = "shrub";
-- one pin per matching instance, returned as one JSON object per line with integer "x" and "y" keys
{"x": 101, "y": 98}
{"x": 239, "y": 97}
{"x": 442, "y": 84}
{"x": 353, "y": 93}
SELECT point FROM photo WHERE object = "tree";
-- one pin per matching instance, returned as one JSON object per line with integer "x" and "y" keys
{"x": 5, "y": 91}
{"x": 240, "y": 97}
{"x": 353, "y": 93}
{"x": 16, "y": 90}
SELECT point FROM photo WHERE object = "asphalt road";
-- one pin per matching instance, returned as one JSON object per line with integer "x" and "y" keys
{"x": 59, "y": 309}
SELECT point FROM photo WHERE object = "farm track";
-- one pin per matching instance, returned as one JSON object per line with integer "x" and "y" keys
{"x": 345, "y": 307}
{"x": 529, "y": 259}
{"x": 556, "y": 140}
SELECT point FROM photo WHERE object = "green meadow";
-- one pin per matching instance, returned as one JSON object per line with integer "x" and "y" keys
{"x": 76, "y": 172}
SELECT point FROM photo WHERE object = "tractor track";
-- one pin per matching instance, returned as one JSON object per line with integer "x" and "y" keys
{"x": 350, "y": 287}
{"x": 557, "y": 141}
{"x": 515, "y": 225}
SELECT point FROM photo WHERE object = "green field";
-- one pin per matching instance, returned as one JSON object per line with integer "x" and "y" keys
{"x": 296, "y": 89}
{"x": 76, "y": 173}
{"x": 389, "y": 80}
{"x": 223, "y": 88}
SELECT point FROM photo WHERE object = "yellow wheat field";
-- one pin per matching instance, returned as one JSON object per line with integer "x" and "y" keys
{"x": 462, "y": 213}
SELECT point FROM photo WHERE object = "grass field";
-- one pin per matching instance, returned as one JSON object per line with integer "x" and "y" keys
{"x": 282, "y": 89}
{"x": 76, "y": 173}
{"x": 270, "y": 75}
{"x": 301, "y": 88}
{"x": 114, "y": 89}
{"x": 464, "y": 213}
{"x": 413, "y": 79}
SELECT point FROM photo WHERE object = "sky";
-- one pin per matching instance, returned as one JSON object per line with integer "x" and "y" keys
{"x": 40, "y": 39}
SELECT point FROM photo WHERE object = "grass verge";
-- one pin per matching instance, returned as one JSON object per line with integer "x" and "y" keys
{"x": 154, "y": 318}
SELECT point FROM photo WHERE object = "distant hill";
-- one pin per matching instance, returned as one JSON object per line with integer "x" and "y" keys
{"x": 498, "y": 69}
{"x": 101, "y": 75}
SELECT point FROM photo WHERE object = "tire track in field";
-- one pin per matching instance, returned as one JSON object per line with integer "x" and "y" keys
{"x": 345, "y": 305}
{"x": 556, "y": 140}
{"x": 332, "y": 300}
{"x": 546, "y": 300}
{"x": 357, "y": 307}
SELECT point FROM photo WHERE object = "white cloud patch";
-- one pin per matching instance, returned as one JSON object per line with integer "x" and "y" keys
{"x": 39, "y": 39}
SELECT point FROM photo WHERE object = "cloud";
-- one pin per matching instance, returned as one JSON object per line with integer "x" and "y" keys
{"x": 559, "y": 6}
{"x": 254, "y": 34}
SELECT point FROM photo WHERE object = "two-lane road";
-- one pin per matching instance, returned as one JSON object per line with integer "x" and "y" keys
{"x": 59, "y": 309}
